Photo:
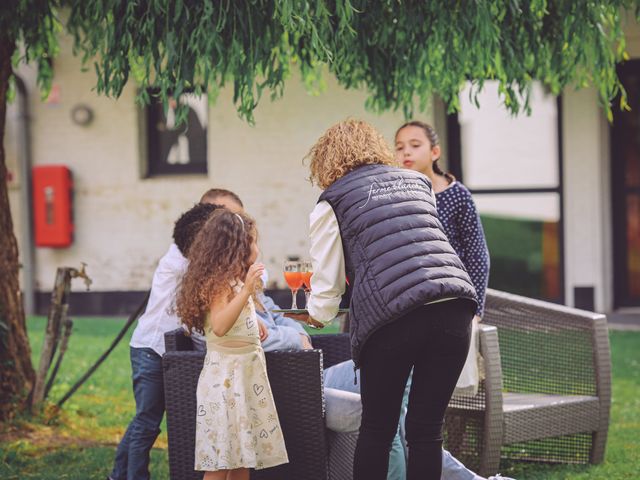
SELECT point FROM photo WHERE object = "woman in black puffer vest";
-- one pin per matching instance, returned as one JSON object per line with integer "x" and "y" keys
{"x": 412, "y": 301}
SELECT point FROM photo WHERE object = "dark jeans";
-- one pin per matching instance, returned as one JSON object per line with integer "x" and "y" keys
{"x": 433, "y": 340}
{"x": 132, "y": 456}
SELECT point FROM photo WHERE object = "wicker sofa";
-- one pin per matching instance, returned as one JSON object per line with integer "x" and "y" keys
{"x": 546, "y": 395}
{"x": 547, "y": 392}
{"x": 342, "y": 445}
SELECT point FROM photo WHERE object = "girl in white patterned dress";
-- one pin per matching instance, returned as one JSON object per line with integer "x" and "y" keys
{"x": 237, "y": 425}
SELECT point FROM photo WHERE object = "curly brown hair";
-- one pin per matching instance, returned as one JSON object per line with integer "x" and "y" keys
{"x": 219, "y": 255}
{"x": 345, "y": 146}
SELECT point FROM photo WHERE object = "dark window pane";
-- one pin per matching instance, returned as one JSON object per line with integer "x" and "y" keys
{"x": 628, "y": 124}
{"x": 633, "y": 245}
{"x": 625, "y": 162}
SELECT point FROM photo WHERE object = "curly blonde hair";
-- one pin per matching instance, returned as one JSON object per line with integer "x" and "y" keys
{"x": 219, "y": 255}
{"x": 345, "y": 146}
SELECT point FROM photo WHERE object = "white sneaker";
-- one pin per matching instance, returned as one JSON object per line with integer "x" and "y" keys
{"x": 500, "y": 477}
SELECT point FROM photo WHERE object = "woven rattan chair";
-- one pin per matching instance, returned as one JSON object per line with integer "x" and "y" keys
{"x": 547, "y": 392}
{"x": 296, "y": 381}
{"x": 342, "y": 444}
{"x": 545, "y": 397}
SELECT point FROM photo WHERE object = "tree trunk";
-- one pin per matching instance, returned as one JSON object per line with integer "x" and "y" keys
{"x": 16, "y": 371}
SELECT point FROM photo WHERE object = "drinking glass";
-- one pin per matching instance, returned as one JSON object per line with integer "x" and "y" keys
{"x": 307, "y": 272}
{"x": 293, "y": 277}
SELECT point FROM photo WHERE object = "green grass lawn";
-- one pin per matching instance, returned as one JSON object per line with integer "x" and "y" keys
{"x": 79, "y": 442}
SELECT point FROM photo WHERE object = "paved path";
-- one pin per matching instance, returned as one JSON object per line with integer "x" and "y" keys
{"x": 625, "y": 320}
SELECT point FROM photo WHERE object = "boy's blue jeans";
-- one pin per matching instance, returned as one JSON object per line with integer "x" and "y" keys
{"x": 132, "y": 455}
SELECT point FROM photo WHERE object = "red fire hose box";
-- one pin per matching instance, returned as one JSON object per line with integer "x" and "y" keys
{"x": 52, "y": 206}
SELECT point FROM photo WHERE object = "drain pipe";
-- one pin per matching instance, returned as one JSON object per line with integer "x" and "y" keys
{"x": 24, "y": 161}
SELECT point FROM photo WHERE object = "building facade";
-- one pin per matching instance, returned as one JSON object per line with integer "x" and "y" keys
{"x": 558, "y": 191}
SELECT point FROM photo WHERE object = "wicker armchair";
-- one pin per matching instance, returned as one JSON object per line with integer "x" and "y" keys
{"x": 296, "y": 381}
{"x": 545, "y": 397}
{"x": 547, "y": 392}
{"x": 341, "y": 445}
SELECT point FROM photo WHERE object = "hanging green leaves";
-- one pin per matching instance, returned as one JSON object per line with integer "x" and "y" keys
{"x": 401, "y": 52}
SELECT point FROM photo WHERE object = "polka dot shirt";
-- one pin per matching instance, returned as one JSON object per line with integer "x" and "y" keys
{"x": 461, "y": 223}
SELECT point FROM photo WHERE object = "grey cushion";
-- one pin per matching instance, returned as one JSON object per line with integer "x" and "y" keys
{"x": 343, "y": 410}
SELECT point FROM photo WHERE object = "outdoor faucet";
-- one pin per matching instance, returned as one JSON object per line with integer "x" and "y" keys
{"x": 75, "y": 273}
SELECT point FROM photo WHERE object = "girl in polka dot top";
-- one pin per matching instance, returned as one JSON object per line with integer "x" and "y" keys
{"x": 418, "y": 148}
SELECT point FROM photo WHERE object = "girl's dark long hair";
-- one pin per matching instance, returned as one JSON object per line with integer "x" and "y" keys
{"x": 434, "y": 140}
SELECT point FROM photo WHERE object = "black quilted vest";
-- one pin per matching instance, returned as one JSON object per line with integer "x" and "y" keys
{"x": 396, "y": 252}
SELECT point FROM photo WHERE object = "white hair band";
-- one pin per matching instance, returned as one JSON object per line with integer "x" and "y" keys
{"x": 241, "y": 220}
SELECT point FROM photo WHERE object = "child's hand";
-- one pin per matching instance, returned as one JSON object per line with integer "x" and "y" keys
{"x": 254, "y": 275}
{"x": 306, "y": 344}
{"x": 262, "y": 328}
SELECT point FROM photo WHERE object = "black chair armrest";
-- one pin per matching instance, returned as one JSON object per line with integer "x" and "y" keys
{"x": 296, "y": 382}
{"x": 177, "y": 340}
{"x": 335, "y": 347}
{"x": 181, "y": 373}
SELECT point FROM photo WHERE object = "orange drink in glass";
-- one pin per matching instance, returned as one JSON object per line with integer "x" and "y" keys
{"x": 307, "y": 272}
{"x": 293, "y": 277}
{"x": 295, "y": 280}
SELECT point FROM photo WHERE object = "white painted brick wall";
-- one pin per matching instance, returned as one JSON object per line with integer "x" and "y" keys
{"x": 124, "y": 223}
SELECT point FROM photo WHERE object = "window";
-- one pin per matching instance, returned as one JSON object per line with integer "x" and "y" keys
{"x": 512, "y": 167}
{"x": 176, "y": 150}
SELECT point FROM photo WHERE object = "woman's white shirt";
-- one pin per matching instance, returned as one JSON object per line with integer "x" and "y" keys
{"x": 327, "y": 256}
